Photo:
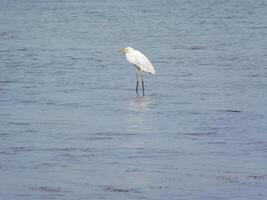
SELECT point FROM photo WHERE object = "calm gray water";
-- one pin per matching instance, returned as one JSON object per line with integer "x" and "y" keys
{"x": 71, "y": 126}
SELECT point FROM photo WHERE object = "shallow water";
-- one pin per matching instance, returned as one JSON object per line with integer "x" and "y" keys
{"x": 71, "y": 126}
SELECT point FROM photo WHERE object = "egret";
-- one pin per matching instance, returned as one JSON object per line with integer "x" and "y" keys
{"x": 141, "y": 64}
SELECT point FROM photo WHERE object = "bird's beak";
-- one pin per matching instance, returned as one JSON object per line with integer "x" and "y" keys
{"x": 122, "y": 50}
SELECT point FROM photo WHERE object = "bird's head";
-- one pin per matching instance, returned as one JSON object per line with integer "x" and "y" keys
{"x": 126, "y": 50}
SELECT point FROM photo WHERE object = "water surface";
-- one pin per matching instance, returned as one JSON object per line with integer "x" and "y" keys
{"x": 71, "y": 126}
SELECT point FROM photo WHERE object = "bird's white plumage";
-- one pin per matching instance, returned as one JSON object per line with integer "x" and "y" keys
{"x": 141, "y": 63}
{"x": 139, "y": 60}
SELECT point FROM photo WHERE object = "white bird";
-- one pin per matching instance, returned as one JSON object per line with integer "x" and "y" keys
{"x": 141, "y": 64}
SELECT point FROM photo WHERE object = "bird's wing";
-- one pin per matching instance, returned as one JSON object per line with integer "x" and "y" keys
{"x": 143, "y": 63}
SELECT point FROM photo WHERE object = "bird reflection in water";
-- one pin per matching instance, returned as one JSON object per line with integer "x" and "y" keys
{"x": 137, "y": 121}
{"x": 141, "y": 103}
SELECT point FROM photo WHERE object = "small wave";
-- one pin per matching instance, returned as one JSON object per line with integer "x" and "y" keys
{"x": 117, "y": 189}
{"x": 232, "y": 111}
{"x": 200, "y": 133}
{"x": 47, "y": 189}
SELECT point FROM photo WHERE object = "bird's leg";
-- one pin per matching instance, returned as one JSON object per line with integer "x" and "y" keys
{"x": 137, "y": 81}
{"x": 143, "y": 86}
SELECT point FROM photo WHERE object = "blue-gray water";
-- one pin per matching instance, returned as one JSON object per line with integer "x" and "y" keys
{"x": 71, "y": 126}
